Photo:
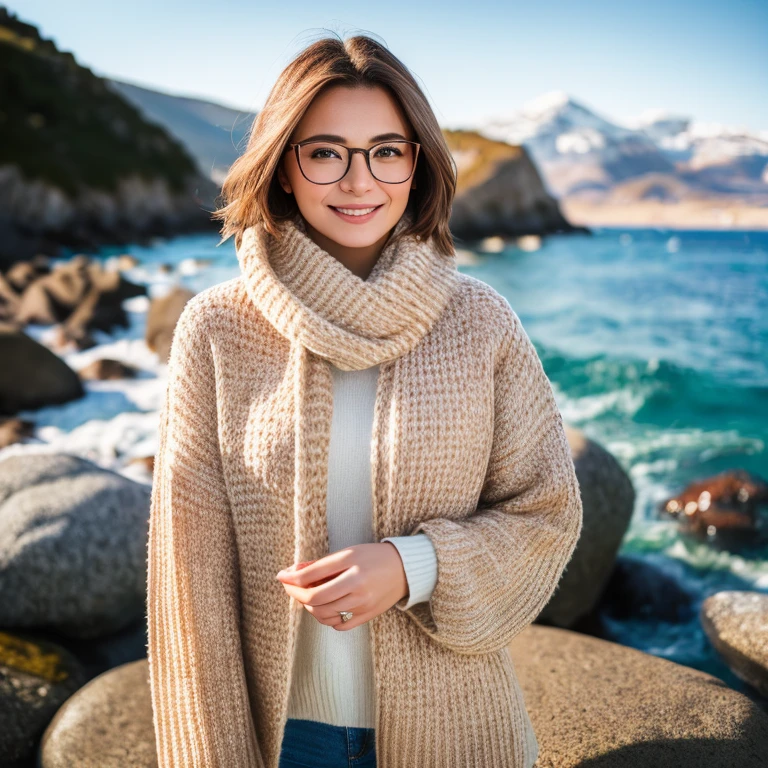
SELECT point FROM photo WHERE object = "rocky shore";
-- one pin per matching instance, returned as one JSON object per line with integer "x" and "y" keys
{"x": 73, "y": 535}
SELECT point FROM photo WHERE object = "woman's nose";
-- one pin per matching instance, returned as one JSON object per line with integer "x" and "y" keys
{"x": 358, "y": 174}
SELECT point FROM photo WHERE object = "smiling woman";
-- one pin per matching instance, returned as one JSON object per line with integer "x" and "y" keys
{"x": 363, "y": 489}
{"x": 339, "y": 188}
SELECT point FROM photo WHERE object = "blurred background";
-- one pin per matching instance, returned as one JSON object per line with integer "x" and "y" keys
{"x": 612, "y": 166}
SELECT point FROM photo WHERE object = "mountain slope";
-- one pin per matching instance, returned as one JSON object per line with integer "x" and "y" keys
{"x": 212, "y": 133}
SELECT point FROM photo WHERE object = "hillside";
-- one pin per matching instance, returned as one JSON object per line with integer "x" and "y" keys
{"x": 78, "y": 163}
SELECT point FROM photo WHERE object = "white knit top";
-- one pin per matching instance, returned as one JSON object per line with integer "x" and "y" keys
{"x": 333, "y": 672}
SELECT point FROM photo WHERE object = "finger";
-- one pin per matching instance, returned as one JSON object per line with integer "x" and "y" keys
{"x": 356, "y": 620}
{"x": 319, "y": 570}
{"x": 334, "y": 620}
{"x": 294, "y": 568}
{"x": 335, "y": 589}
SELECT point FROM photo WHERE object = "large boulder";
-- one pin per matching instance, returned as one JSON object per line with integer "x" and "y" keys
{"x": 73, "y": 540}
{"x": 106, "y": 724}
{"x": 736, "y": 624}
{"x": 31, "y": 376}
{"x": 608, "y": 499}
{"x": 597, "y": 703}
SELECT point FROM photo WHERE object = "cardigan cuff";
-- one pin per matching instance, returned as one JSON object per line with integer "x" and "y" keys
{"x": 420, "y": 563}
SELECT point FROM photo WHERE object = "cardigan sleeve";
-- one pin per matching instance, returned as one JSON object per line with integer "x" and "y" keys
{"x": 499, "y": 567}
{"x": 196, "y": 669}
{"x": 420, "y": 566}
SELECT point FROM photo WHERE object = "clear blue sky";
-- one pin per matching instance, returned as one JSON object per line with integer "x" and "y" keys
{"x": 476, "y": 59}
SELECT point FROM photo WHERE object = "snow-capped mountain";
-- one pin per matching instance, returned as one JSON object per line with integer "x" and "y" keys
{"x": 579, "y": 151}
{"x": 575, "y": 148}
{"x": 697, "y": 145}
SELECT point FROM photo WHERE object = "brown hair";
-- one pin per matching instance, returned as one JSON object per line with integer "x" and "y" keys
{"x": 251, "y": 191}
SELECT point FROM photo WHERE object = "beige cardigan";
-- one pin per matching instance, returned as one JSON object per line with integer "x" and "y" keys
{"x": 468, "y": 447}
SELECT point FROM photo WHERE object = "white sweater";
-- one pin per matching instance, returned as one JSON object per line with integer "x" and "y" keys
{"x": 333, "y": 672}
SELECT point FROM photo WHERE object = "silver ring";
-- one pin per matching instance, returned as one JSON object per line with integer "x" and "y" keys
{"x": 345, "y": 615}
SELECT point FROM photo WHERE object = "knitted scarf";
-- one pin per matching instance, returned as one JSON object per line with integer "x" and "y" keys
{"x": 369, "y": 322}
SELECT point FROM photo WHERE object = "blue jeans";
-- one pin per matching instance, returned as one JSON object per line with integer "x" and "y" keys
{"x": 310, "y": 744}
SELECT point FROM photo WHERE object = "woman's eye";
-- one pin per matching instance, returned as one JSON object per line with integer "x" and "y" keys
{"x": 324, "y": 154}
{"x": 396, "y": 152}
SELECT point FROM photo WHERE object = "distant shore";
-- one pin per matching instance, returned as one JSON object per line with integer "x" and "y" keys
{"x": 684, "y": 215}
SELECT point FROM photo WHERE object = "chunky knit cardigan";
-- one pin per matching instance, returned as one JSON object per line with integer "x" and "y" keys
{"x": 332, "y": 680}
{"x": 468, "y": 447}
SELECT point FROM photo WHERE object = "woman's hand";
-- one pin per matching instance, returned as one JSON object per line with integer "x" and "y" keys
{"x": 366, "y": 579}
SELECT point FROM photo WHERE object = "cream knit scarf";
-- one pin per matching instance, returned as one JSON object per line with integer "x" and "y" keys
{"x": 328, "y": 313}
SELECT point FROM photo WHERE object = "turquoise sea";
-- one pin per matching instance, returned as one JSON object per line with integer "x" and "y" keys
{"x": 656, "y": 343}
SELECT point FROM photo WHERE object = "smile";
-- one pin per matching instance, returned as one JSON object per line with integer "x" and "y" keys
{"x": 359, "y": 214}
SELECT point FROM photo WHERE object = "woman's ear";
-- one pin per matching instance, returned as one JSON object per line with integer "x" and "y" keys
{"x": 283, "y": 179}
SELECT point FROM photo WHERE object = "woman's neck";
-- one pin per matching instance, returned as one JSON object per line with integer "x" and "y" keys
{"x": 359, "y": 261}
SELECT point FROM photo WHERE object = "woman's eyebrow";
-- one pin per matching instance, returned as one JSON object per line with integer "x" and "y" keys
{"x": 342, "y": 140}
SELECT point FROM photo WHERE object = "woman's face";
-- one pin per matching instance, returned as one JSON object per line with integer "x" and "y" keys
{"x": 357, "y": 114}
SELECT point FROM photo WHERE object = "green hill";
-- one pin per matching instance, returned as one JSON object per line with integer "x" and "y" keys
{"x": 60, "y": 123}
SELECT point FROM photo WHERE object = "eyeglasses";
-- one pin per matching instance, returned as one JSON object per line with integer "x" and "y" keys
{"x": 322, "y": 162}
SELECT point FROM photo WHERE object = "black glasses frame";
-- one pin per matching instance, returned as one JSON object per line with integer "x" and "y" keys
{"x": 351, "y": 150}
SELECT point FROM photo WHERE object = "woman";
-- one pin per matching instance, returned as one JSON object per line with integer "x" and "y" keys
{"x": 363, "y": 489}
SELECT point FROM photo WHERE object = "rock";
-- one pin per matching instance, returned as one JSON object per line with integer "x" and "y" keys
{"x": 725, "y": 505}
{"x": 736, "y": 624}
{"x": 640, "y": 590}
{"x": 493, "y": 244}
{"x": 499, "y": 190}
{"x": 608, "y": 499}
{"x": 529, "y": 243}
{"x": 66, "y": 340}
{"x": 147, "y": 462}
{"x": 52, "y": 298}
{"x": 36, "y": 678}
{"x": 73, "y": 542}
{"x": 162, "y": 317}
{"x": 24, "y": 273}
{"x": 597, "y": 703}
{"x": 32, "y": 376}
{"x": 101, "y": 308}
{"x": 107, "y": 369}
{"x": 9, "y": 300}
{"x": 106, "y": 724}
{"x": 14, "y": 431}
{"x": 99, "y": 654}
{"x": 125, "y": 261}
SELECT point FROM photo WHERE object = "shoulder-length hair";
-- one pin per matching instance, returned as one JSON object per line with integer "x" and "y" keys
{"x": 251, "y": 192}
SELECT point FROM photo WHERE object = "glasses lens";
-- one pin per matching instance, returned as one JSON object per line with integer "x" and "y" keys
{"x": 325, "y": 163}
{"x": 393, "y": 161}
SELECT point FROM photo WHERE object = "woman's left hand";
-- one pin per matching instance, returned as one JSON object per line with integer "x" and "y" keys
{"x": 366, "y": 579}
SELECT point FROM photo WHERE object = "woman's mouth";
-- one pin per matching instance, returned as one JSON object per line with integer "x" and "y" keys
{"x": 355, "y": 215}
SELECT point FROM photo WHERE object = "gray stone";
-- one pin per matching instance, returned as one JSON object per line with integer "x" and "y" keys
{"x": 608, "y": 499}
{"x": 73, "y": 540}
{"x": 32, "y": 376}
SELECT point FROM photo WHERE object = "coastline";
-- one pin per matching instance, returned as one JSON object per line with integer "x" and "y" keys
{"x": 689, "y": 215}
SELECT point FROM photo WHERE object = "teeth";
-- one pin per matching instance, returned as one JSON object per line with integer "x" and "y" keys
{"x": 356, "y": 211}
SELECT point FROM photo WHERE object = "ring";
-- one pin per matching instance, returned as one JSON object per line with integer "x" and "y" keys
{"x": 346, "y": 615}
